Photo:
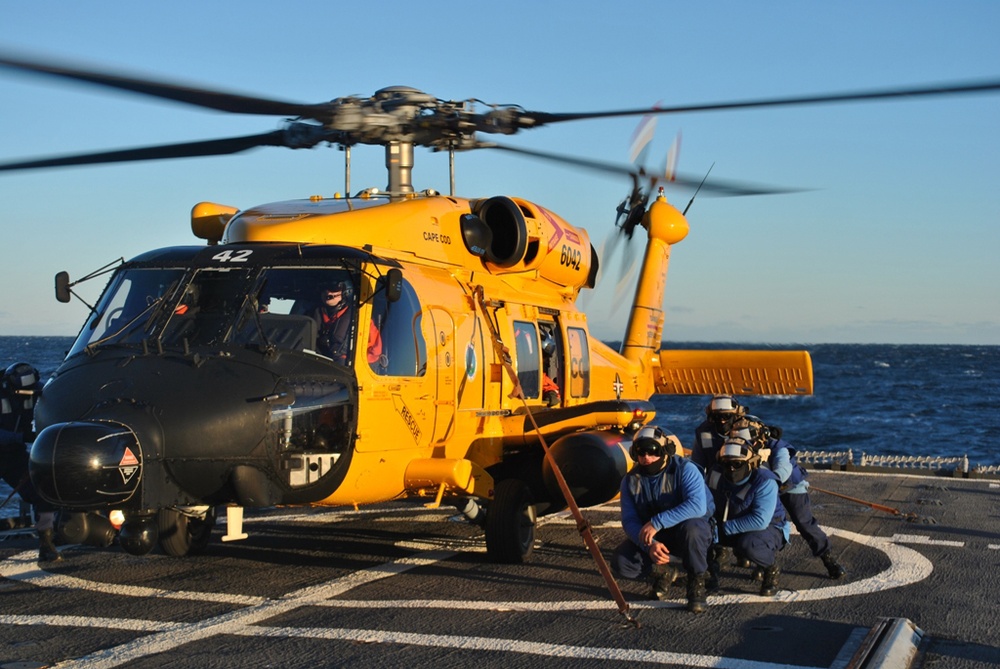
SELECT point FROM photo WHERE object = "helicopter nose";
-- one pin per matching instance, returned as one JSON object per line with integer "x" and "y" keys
{"x": 86, "y": 465}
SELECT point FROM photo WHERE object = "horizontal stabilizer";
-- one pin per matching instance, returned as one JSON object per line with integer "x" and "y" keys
{"x": 734, "y": 373}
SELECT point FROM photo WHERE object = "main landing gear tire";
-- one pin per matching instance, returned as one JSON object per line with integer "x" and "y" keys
{"x": 182, "y": 535}
{"x": 510, "y": 523}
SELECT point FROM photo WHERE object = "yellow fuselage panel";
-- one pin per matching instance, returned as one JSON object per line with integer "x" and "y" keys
{"x": 460, "y": 406}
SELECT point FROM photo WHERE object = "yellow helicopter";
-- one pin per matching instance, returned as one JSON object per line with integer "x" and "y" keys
{"x": 453, "y": 367}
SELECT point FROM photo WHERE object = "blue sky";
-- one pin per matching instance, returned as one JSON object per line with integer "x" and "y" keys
{"x": 895, "y": 241}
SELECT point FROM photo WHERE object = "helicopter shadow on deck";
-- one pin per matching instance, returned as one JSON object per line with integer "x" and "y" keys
{"x": 556, "y": 565}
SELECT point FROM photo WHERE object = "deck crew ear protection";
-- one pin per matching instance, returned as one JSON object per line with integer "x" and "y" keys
{"x": 737, "y": 452}
{"x": 19, "y": 376}
{"x": 651, "y": 440}
{"x": 751, "y": 429}
{"x": 18, "y": 385}
{"x": 723, "y": 404}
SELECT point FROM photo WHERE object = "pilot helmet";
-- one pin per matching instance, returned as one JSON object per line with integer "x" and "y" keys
{"x": 548, "y": 343}
{"x": 342, "y": 285}
{"x": 737, "y": 459}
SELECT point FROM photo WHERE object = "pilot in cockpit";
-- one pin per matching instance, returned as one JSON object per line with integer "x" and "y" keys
{"x": 334, "y": 318}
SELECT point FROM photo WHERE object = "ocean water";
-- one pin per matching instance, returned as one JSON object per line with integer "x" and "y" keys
{"x": 877, "y": 399}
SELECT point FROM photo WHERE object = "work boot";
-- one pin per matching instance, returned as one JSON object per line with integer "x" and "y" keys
{"x": 663, "y": 577}
{"x": 696, "y": 594}
{"x": 769, "y": 586}
{"x": 833, "y": 568}
{"x": 712, "y": 580}
{"x": 716, "y": 555}
{"x": 47, "y": 547}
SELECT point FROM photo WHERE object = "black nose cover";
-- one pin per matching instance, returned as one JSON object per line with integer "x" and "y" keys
{"x": 86, "y": 465}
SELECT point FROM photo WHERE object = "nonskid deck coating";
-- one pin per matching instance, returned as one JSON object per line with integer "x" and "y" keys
{"x": 401, "y": 585}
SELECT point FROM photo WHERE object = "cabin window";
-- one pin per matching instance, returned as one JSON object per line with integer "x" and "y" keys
{"x": 579, "y": 362}
{"x": 404, "y": 351}
{"x": 527, "y": 362}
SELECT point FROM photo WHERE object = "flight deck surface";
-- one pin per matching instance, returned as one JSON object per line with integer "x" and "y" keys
{"x": 402, "y": 585}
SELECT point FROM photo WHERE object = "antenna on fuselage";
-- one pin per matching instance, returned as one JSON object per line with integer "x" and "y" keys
{"x": 691, "y": 201}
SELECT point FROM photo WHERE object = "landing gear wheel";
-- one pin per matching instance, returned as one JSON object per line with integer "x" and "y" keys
{"x": 182, "y": 535}
{"x": 510, "y": 523}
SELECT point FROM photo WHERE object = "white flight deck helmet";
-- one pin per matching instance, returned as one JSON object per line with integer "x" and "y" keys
{"x": 737, "y": 459}
{"x": 722, "y": 410}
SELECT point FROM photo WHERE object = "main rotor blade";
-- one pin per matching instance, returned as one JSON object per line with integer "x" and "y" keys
{"x": 534, "y": 119}
{"x": 212, "y": 147}
{"x": 716, "y": 187}
{"x": 199, "y": 97}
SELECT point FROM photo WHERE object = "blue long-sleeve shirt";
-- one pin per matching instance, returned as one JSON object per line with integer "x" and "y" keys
{"x": 759, "y": 514}
{"x": 780, "y": 462}
{"x": 675, "y": 494}
{"x": 752, "y": 505}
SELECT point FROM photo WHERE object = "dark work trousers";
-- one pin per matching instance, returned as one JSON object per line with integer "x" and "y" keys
{"x": 760, "y": 547}
{"x": 688, "y": 541}
{"x": 799, "y": 510}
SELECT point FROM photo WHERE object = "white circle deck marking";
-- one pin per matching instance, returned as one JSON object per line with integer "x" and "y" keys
{"x": 907, "y": 566}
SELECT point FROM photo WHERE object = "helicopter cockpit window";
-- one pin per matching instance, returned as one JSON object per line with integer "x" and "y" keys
{"x": 210, "y": 309}
{"x": 528, "y": 360}
{"x": 130, "y": 307}
{"x": 404, "y": 351}
{"x": 294, "y": 308}
{"x": 311, "y": 309}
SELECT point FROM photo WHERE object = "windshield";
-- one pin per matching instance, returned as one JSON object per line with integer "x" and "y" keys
{"x": 125, "y": 310}
{"x": 297, "y": 308}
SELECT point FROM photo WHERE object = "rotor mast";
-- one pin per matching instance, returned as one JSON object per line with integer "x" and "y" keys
{"x": 399, "y": 163}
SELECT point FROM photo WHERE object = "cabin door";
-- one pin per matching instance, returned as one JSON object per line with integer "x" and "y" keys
{"x": 443, "y": 352}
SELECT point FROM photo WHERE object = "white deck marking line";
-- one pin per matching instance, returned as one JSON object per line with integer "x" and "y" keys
{"x": 129, "y": 624}
{"x": 489, "y": 644}
{"x": 329, "y": 515}
{"x": 236, "y": 622}
{"x": 907, "y": 567}
{"x": 24, "y": 567}
{"x": 925, "y": 540}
